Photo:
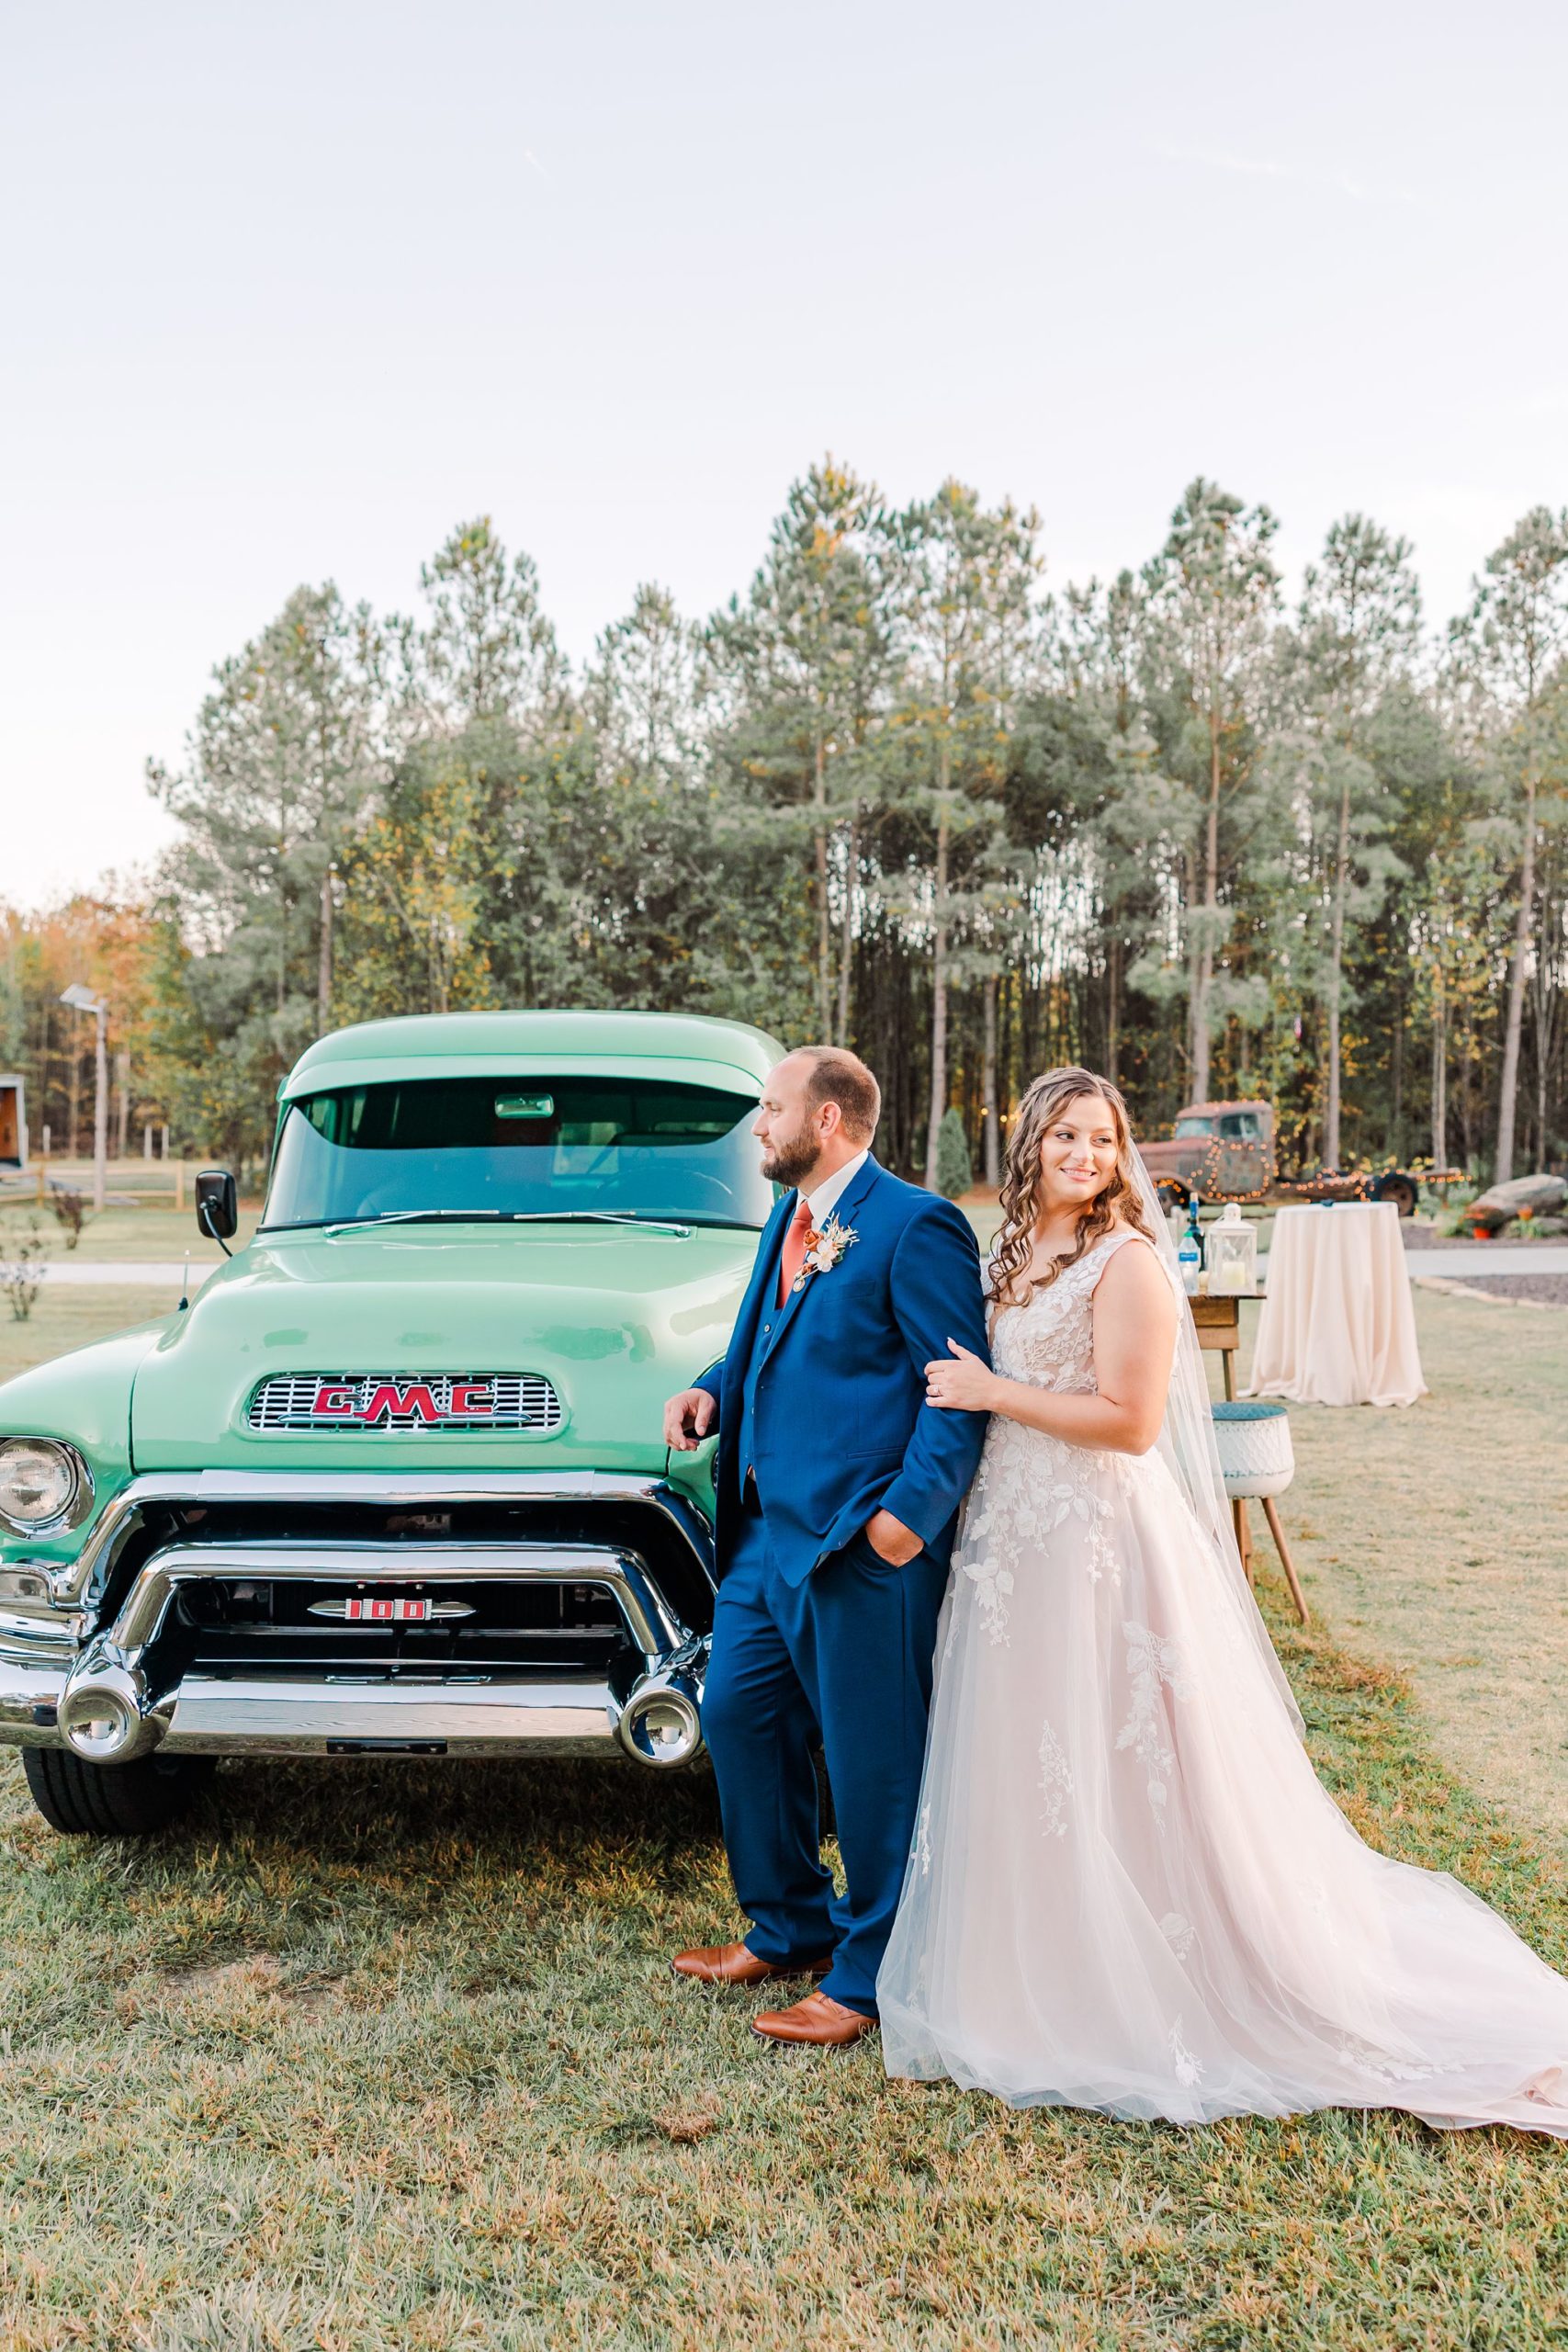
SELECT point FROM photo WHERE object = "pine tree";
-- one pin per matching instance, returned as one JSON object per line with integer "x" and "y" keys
{"x": 1213, "y": 589}
{"x": 1509, "y": 645}
{"x": 1359, "y": 622}
{"x": 965, "y": 613}
{"x": 797, "y": 677}
{"x": 284, "y": 761}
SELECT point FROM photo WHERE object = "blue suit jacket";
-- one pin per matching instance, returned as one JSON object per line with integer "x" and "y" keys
{"x": 840, "y": 1426}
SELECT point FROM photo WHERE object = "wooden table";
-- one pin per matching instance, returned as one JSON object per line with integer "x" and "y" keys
{"x": 1217, "y": 1318}
{"x": 1218, "y": 1322}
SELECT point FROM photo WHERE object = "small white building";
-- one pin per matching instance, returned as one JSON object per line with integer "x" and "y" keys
{"x": 13, "y": 1124}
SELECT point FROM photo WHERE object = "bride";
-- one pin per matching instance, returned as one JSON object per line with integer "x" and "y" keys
{"x": 1128, "y": 1890}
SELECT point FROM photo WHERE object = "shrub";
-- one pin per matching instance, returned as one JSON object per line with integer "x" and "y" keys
{"x": 953, "y": 1172}
{"x": 21, "y": 1276}
{"x": 71, "y": 1213}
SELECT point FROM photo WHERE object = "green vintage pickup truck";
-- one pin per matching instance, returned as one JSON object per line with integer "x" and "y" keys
{"x": 396, "y": 1481}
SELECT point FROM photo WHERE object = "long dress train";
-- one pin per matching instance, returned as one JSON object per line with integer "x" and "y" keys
{"x": 1128, "y": 1890}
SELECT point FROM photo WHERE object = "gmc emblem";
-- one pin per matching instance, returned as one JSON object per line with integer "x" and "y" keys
{"x": 406, "y": 1400}
{"x": 372, "y": 1405}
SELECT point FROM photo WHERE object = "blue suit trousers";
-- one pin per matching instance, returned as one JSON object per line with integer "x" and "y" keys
{"x": 846, "y": 1656}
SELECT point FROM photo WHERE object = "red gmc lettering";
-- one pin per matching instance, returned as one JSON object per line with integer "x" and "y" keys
{"x": 472, "y": 1397}
{"x": 333, "y": 1397}
{"x": 415, "y": 1399}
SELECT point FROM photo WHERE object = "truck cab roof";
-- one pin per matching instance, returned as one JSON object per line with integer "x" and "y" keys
{"x": 451, "y": 1045}
{"x": 1214, "y": 1110}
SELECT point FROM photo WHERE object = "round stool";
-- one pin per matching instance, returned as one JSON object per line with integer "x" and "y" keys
{"x": 1257, "y": 1463}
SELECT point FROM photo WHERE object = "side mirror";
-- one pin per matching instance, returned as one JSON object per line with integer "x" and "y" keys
{"x": 217, "y": 1204}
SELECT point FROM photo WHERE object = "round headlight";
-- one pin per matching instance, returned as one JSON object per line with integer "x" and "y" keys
{"x": 40, "y": 1481}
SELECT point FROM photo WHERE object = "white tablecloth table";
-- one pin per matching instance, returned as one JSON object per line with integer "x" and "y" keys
{"x": 1336, "y": 1326}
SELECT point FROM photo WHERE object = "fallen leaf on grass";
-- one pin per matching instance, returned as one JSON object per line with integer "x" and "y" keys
{"x": 312, "y": 1995}
{"x": 1357, "y": 1674}
{"x": 255, "y": 1971}
{"x": 686, "y": 2124}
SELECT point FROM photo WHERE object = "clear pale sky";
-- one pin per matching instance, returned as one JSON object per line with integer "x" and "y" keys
{"x": 291, "y": 289}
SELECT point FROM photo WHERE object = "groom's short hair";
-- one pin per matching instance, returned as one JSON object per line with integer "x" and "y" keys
{"x": 841, "y": 1077}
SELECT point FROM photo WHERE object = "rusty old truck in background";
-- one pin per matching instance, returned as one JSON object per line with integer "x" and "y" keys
{"x": 1228, "y": 1151}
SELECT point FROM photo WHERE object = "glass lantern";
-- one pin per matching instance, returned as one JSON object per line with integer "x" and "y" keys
{"x": 1231, "y": 1247}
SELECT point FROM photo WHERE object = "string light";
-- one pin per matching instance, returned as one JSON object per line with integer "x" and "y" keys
{"x": 1329, "y": 1183}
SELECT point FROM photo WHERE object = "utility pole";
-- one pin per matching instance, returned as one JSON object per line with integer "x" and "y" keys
{"x": 101, "y": 1107}
{"x": 324, "y": 971}
{"x": 82, "y": 1000}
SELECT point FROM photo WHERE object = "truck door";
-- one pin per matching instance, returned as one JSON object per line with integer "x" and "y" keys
{"x": 1242, "y": 1169}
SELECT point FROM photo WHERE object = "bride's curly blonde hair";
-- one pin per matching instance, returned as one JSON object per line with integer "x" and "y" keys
{"x": 1044, "y": 1100}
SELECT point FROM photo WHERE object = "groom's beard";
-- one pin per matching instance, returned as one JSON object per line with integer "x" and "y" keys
{"x": 791, "y": 1164}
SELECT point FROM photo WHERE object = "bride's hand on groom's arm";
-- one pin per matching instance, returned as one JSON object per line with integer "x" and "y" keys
{"x": 963, "y": 1381}
{"x": 1135, "y": 1338}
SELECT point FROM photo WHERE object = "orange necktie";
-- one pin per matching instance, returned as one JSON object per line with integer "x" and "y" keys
{"x": 792, "y": 1257}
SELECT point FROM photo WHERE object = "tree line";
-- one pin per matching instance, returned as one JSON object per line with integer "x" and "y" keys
{"x": 897, "y": 794}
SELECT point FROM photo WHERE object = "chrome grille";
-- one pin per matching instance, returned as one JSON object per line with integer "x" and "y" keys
{"x": 366, "y": 1403}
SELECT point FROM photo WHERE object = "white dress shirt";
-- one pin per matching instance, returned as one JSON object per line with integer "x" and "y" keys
{"x": 826, "y": 1198}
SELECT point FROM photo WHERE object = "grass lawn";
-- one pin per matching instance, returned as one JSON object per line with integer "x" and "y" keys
{"x": 155, "y": 1234}
{"x": 1431, "y": 1538}
{"x": 379, "y": 2056}
{"x": 65, "y": 1318}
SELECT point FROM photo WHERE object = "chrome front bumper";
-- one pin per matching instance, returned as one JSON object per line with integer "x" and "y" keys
{"x": 301, "y": 1716}
{"x": 31, "y": 1691}
{"x": 105, "y": 1700}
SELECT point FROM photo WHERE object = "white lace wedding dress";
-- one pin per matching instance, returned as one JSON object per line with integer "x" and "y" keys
{"x": 1128, "y": 1890}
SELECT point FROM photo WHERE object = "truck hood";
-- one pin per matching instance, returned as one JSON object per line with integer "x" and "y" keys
{"x": 614, "y": 1319}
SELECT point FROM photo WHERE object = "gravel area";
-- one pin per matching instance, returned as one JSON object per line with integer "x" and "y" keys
{"x": 1421, "y": 1237}
{"x": 1540, "y": 1290}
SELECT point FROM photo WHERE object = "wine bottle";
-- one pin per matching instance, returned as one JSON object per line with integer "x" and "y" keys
{"x": 1195, "y": 1230}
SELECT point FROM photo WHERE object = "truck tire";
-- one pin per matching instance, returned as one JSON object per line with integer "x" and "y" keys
{"x": 1399, "y": 1189}
{"x": 83, "y": 1800}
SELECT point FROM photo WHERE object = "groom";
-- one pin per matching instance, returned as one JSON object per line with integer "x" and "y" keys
{"x": 837, "y": 1487}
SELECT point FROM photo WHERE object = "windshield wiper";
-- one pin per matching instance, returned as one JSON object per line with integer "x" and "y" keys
{"x": 596, "y": 1217}
{"x": 378, "y": 1216}
{"x": 412, "y": 1216}
{"x": 493, "y": 1216}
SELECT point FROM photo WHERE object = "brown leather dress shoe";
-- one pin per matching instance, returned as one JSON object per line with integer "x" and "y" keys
{"x": 737, "y": 1964}
{"x": 818, "y": 2018}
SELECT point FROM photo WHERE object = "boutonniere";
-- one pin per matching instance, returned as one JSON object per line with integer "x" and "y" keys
{"x": 824, "y": 1249}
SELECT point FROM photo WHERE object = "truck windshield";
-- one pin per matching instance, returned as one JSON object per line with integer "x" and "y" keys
{"x": 488, "y": 1146}
{"x": 1193, "y": 1127}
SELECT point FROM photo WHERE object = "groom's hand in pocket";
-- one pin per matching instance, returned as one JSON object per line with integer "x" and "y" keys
{"x": 688, "y": 1419}
{"x": 890, "y": 1539}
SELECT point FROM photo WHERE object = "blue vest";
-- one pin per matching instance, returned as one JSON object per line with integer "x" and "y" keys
{"x": 762, "y": 1341}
